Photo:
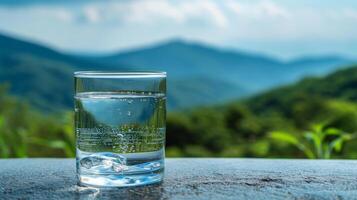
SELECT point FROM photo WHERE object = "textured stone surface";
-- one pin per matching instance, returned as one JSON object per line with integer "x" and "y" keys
{"x": 190, "y": 179}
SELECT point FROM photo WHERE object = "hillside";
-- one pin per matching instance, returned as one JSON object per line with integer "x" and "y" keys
{"x": 242, "y": 128}
{"x": 339, "y": 85}
{"x": 202, "y": 91}
{"x": 254, "y": 72}
{"x": 197, "y": 74}
{"x": 44, "y": 77}
{"x": 40, "y": 75}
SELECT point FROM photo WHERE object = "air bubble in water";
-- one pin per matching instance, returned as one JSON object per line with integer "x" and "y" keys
{"x": 129, "y": 113}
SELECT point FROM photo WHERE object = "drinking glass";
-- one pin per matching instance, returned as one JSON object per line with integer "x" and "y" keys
{"x": 120, "y": 128}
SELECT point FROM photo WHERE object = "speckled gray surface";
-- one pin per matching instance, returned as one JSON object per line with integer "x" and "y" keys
{"x": 190, "y": 179}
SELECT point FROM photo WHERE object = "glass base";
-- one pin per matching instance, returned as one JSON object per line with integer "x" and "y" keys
{"x": 110, "y": 180}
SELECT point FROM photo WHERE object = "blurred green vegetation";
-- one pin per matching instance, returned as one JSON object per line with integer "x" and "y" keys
{"x": 315, "y": 118}
{"x": 27, "y": 133}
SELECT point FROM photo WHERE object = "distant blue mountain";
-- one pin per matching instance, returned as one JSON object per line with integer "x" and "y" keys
{"x": 41, "y": 75}
{"x": 44, "y": 77}
{"x": 197, "y": 74}
{"x": 253, "y": 72}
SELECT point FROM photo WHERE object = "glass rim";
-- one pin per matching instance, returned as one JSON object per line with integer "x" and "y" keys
{"x": 119, "y": 74}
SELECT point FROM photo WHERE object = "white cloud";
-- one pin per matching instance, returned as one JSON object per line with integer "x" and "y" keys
{"x": 260, "y": 9}
{"x": 91, "y": 14}
{"x": 222, "y": 22}
{"x": 151, "y": 12}
{"x": 148, "y": 12}
{"x": 63, "y": 15}
{"x": 205, "y": 10}
{"x": 350, "y": 13}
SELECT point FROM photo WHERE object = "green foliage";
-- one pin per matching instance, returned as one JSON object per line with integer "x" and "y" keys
{"x": 319, "y": 143}
{"x": 272, "y": 124}
{"x": 64, "y": 141}
{"x": 28, "y": 133}
{"x": 245, "y": 128}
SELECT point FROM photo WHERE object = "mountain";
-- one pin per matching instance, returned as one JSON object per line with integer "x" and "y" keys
{"x": 12, "y": 47}
{"x": 197, "y": 74}
{"x": 253, "y": 72}
{"x": 328, "y": 101}
{"x": 40, "y": 75}
{"x": 189, "y": 91}
{"x": 44, "y": 77}
{"x": 339, "y": 85}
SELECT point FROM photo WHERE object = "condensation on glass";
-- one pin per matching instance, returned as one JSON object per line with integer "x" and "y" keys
{"x": 120, "y": 128}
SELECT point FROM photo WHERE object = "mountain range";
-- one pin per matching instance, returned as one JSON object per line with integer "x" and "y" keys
{"x": 197, "y": 74}
{"x": 253, "y": 72}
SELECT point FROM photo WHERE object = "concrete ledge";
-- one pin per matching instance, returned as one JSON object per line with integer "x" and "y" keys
{"x": 190, "y": 179}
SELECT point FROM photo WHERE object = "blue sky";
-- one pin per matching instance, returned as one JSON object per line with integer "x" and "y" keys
{"x": 281, "y": 28}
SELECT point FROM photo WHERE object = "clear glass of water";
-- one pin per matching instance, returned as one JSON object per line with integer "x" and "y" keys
{"x": 120, "y": 128}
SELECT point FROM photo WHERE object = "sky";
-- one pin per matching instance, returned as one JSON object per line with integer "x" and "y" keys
{"x": 286, "y": 29}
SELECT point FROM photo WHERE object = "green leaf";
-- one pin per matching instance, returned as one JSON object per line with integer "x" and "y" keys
{"x": 285, "y": 137}
{"x": 333, "y": 131}
{"x": 317, "y": 128}
{"x": 326, "y": 151}
{"x": 317, "y": 142}
{"x": 313, "y": 137}
{"x": 57, "y": 144}
{"x": 337, "y": 144}
{"x": 292, "y": 139}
